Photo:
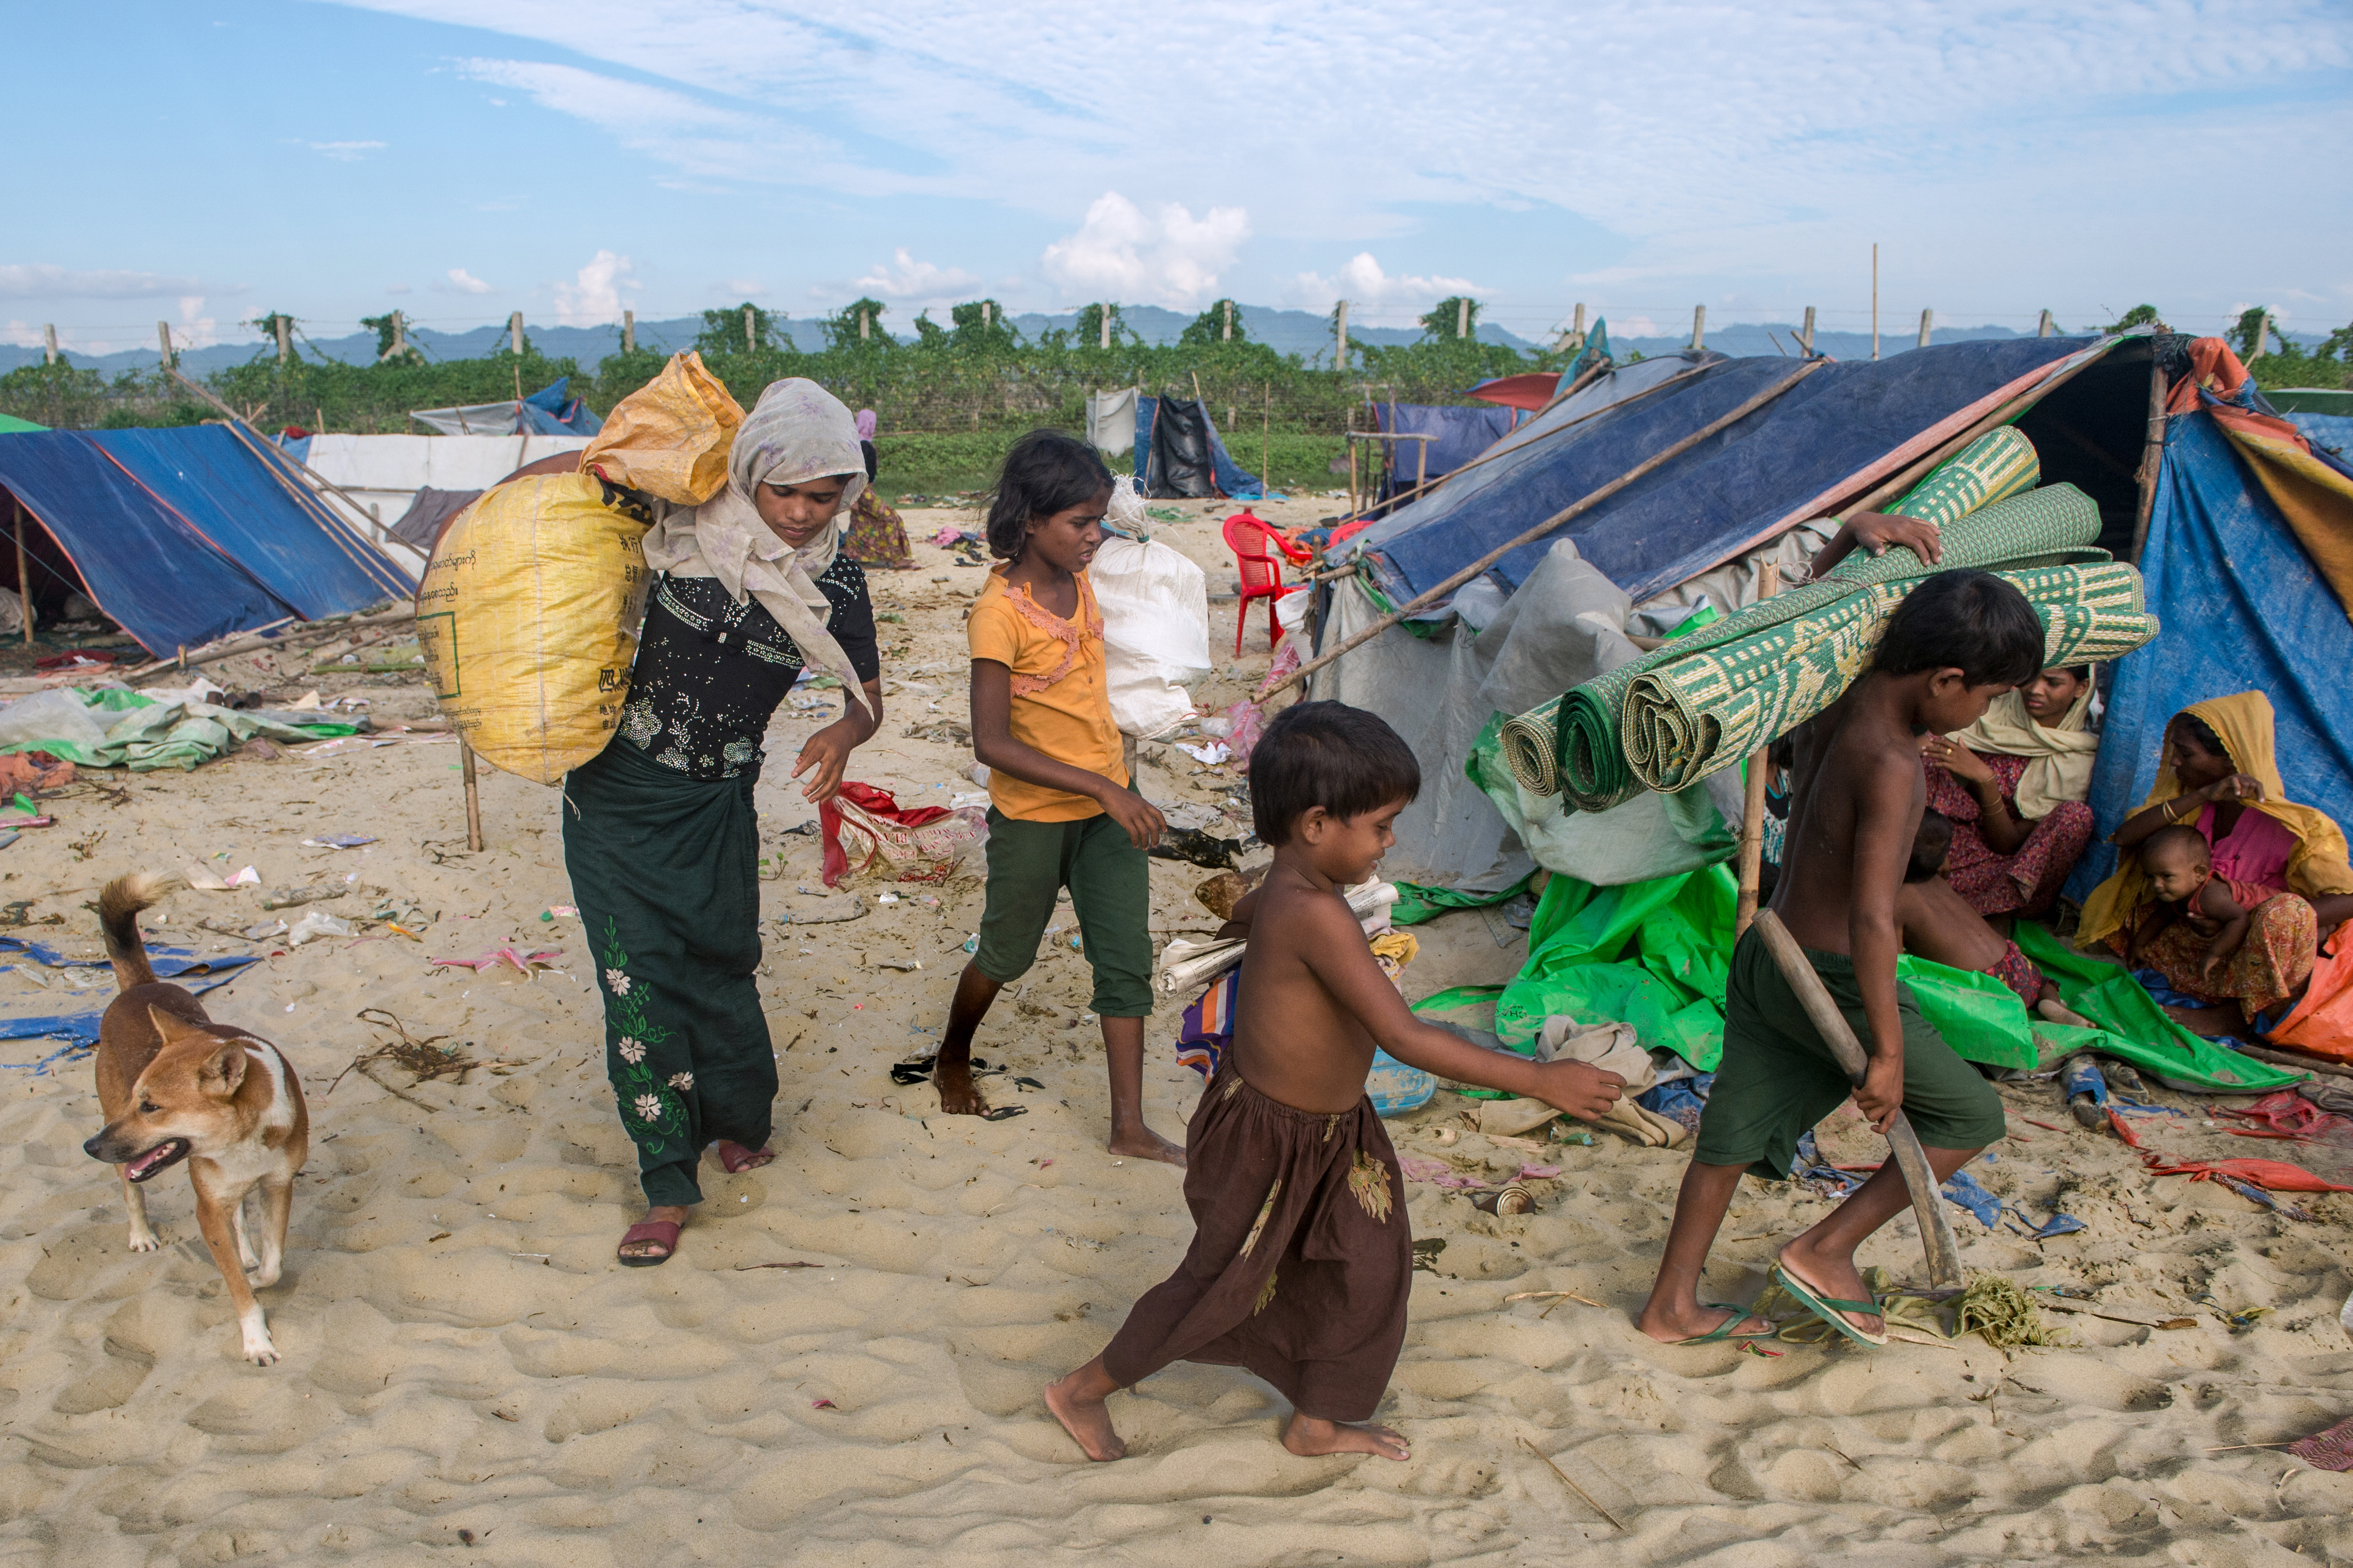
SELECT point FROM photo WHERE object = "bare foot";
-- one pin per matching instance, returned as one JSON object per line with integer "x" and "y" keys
{"x": 1077, "y": 1402}
{"x": 1308, "y": 1435}
{"x": 1674, "y": 1325}
{"x": 737, "y": 1159}
{"x": 1141, "y": 1142}
{"x": 2058, "y": 1012}
{"x": 958, "y": 1094}
{"x": 1834, "y": 1277}
{"x": 673, "y": 1213}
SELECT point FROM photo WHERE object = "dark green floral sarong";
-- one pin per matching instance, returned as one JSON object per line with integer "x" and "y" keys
{"x": 665, "y": 869}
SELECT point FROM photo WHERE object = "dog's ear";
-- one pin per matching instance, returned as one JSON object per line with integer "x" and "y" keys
{"x": 170, "y": 1027}
{"x": 223, "y": 1071}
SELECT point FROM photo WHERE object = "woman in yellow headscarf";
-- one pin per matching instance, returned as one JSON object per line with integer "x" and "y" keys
{"x": 2218, "y": 775}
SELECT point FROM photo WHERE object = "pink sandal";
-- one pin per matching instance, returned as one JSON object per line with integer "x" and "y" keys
{"x": 742, "y": 1159}
{"x": 664, "y": 1231}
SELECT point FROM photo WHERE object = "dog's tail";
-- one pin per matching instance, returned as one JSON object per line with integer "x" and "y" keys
{"x": 118, "y": 904}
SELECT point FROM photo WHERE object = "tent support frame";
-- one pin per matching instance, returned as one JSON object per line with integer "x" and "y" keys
{"x": 2152, "y": 457}
{"x": 1576, "y": 508}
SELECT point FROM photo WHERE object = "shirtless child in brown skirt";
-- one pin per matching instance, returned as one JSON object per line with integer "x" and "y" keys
{"x": 1302, "y": 1258}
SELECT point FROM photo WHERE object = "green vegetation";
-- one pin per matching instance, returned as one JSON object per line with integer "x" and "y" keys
{"x": 949, "y": 401}
{"x": 2288, "y": 364}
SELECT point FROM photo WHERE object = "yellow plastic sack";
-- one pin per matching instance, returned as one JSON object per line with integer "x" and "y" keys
{"x": 669, "y": 437}
{"x": 528, "y": 621}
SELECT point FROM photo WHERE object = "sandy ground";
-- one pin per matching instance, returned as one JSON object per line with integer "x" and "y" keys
{"x": 466, "y": 1367}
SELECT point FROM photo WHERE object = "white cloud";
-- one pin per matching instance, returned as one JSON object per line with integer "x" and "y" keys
{"x": 41, "y": 281}
{"x": 197, "y": 330}
{"x": 345, "y": 152}
{"x": 1684, "y": 161}
{"x": 594, "y": 297}
{"x": 397, "y": 288}
{"x": 1373, "y": 295}
{"x": 1171, "y": 259}
{"x": 463, "y": 282}
{"x": 908, "y": 279}
{"x": 742, "y": 288}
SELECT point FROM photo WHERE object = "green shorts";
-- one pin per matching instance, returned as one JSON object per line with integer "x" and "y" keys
{"x": 1778, "y": 1079}
{"x": 1110, "y": 891}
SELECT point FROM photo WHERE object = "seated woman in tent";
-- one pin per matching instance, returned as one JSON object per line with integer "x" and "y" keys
{"x": 2217, "y": 775}
{"x": 877, "y": 537}
{"x": 2014, "y": 784}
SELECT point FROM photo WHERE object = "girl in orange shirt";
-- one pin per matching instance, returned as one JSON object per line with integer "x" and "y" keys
{"x": 1063, "y": 813}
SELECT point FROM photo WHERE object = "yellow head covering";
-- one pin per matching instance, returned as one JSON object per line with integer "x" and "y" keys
{"x": 2244, "y": 724}
{"x": 2062, "y": 753}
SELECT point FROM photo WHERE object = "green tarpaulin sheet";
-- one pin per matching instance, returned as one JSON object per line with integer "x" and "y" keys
{"x": 117, "y": 729}
{"x": 1656, "y": 955}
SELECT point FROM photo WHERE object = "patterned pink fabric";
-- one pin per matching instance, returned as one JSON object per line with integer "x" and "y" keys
{"x": 2027, "y": 882}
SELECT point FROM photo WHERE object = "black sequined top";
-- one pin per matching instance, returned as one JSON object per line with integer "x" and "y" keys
{"x": 709, "y": 671}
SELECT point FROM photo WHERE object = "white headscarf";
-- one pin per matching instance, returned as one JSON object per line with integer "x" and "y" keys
{"x": 797, "y": 432}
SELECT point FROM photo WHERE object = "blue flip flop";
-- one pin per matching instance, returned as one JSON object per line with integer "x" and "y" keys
{"x": 1829, "y": 1309}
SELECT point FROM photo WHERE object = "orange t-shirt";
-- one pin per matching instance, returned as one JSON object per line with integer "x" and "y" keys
{"x": 1061, "y": 706}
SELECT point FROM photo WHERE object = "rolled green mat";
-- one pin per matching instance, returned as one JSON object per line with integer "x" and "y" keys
{"x": 1573, "y": 746}
{"x": 1996, "y": 466}
{"x": 1685, "y": 721}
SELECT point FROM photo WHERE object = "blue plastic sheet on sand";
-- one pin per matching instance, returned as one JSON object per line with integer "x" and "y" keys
{"x": 195, "y": 971}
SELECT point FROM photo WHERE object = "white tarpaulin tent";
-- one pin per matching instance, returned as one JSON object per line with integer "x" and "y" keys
{"x": 383, "y": 473}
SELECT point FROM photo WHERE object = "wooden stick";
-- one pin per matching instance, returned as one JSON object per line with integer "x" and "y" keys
{"x": 2281, "y": 1058}
{"x": 1499, "y": 449}
{"x": 1752, "y": 815}
{"x": 1927, "y": 1204}
{"x": 473, "y": 797}
{"x": 2152, "y": 458}
{"x": 1566, "y": 514}
{"x": 1572, "y": 1486}
{"x": 24, "y": 583}
{"x": 254, "y": 642}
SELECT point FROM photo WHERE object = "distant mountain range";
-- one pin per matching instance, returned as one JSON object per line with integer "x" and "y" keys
{"x": 1300, "y": 332}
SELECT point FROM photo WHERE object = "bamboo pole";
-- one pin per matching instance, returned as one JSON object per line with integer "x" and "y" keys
{"x": 255, "y": 642}
{"x": 1874, "y": 300}
{"x": 1927, "y": 1204}
{"x": 473, "y": 797}
{"x": 1266, "y": 441}
{"x": 1806, "y": 337}
{"x": 1499, "y": 449}
{"x": 24, "y": 576}
{"x": 2152, "y": 458}
{"x": 1752, "y": 815}
{"x": 1566, "y": 514}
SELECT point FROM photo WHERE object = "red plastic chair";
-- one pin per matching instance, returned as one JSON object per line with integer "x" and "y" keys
{"x": 1247, "y": 535}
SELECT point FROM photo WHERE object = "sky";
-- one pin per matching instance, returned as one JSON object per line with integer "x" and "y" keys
{"x": 206, "y": 164}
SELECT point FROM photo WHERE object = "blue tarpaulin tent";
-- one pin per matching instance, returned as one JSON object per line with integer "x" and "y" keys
{"x": 1456, "y": 436}
{"x": 2244, "y": 610}
{"x": 1838, "y": 430}
{"x": 183, "y": 536}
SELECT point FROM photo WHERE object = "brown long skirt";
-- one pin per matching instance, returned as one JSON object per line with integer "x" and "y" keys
{"x": 1302, "y": 1258}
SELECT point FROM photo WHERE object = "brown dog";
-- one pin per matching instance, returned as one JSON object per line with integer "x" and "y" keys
{"x": 175, "y": 1085}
